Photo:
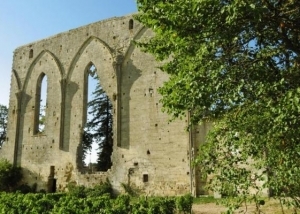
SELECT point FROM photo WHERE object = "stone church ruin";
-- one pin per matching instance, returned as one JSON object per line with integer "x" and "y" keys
{"x": 149, "y": 152}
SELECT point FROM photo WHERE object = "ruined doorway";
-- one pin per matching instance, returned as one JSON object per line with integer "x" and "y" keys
{"x": 54, "y": 185}
{"x": 51, "y": 181}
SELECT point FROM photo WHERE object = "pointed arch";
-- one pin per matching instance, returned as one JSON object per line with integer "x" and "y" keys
{"x": 45, "y": 64}
{"x": 81, "y": 51}
{"x": 35, "y": 62}
{"x": 92, "y": 51}
{"x": 17, "y": 78}
{"x": 130, "y": 48}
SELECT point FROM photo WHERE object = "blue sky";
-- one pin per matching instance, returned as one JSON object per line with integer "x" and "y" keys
{"x": 22, "y": 22}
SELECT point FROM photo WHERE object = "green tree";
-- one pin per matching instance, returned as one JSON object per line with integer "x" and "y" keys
{"x": 235, "y": 63}
{"x": 3, "y": 123}
{"x": 10, "y": 176}
{"x": 87, "y": 141}
{"x": 100, "y": 126}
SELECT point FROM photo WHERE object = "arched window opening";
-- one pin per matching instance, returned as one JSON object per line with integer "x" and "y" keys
{"x": 98, "y": 131}
{"x": 3, "y": 124}
{"x": 130, "y": 24}
{"x": 30, "y": 53}
{"x": 41, "y": 104}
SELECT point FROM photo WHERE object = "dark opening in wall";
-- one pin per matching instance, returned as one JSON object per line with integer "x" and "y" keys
{"x": 51, "y": 181}
{"x": 130, "y": 24}
{"x": 30, "y": 53}
{"x": 145, "y": 178}
{"x": 151, "y": 91}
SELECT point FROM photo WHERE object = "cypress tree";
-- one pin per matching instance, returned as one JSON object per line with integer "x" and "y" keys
{"x": 100, "y": 126}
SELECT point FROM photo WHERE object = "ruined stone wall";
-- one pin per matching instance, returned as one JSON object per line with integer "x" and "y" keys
{"x": 149, "y": 153}
{"x": 198, "y": 136}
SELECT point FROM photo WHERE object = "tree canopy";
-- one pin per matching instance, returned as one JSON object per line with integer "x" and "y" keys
{"x": 235, "y": 63}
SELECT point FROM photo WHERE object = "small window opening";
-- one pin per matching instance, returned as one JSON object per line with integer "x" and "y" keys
{"x": 151, "y": 91}
{"x": 130, "y": 24}
{"x": 145, "y": 178}
{"x": 30, "y": 53}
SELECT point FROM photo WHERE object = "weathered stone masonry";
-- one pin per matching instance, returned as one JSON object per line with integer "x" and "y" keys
{"x": 149, "y": 152}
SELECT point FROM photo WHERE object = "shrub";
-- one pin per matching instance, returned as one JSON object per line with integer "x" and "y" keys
{"x": 184, "y": 203}
{"x": 66, "y": 203}
{"x": 101, "y": 189}
{"x": 84, "y": 192}
{"x": 10, "y": 176}
{"x": 24, "y": 188}
{"x": 77, "y": 191}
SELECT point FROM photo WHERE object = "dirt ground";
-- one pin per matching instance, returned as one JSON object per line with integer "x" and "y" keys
{"x": 271, "y": 207}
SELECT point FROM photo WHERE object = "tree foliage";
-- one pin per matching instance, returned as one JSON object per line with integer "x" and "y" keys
{"x": 87, "y": 141}
{"x": 10, "y": 176}
{"x": 3, "y": 123}
{"x": 91, "y": 201}
{"x": 235, "y": 63}
{"x": 100, "y": 126}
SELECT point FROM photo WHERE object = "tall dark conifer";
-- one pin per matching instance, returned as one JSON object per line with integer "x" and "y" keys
{"x": 3, "y": 123}
{"x": 100, "y": 126}
{"x": 87, "y": 141}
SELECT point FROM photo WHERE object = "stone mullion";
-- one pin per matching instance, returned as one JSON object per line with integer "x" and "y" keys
{"x": 17, "y": 160}
{"x": 118, "y": 69}
{"x": 62, "y": 113}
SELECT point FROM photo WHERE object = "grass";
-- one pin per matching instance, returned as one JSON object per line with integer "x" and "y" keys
{"x": 205, "y": 200}
{"x": 271, "y": 206}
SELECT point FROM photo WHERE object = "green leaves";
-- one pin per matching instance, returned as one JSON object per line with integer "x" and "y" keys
{"x": 10, "y": 176}
{"x": 102, "y": 204}
{"x": 235, "y": 63}
{"x": 228, "y": 41}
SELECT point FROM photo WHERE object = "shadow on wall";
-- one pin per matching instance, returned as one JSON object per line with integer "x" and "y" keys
{"x": 34, "y": 181}
{"x": 24, "y": 99}
{"x": 128, "y": 79}
{"x": 72, "y": 89}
